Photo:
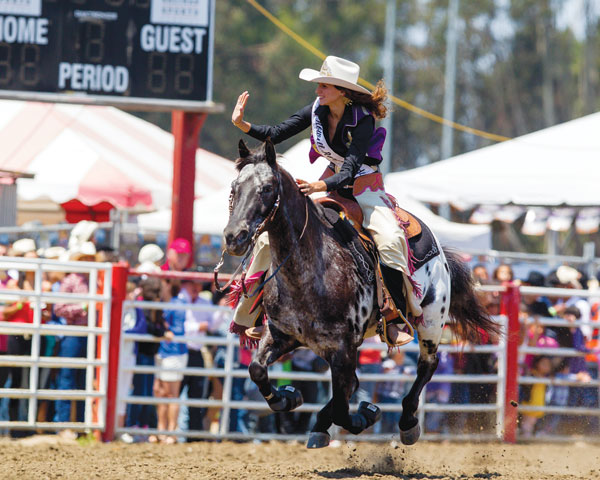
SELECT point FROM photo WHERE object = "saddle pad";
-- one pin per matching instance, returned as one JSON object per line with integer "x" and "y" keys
{"x": 414, "y": 225}
{"x": 350, "y": 238}
{"x": 423, "y": 246}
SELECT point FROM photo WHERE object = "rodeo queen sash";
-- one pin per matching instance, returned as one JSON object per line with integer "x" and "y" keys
{"x": 323, "y": 148}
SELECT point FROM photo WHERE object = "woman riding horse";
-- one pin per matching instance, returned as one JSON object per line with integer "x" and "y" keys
{"x": 342, "y": 121}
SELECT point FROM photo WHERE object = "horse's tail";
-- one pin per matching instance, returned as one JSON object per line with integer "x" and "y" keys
{"x": 465, "y": 307}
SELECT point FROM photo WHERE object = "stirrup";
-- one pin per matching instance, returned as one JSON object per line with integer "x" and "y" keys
{"x": 255, "y": 333}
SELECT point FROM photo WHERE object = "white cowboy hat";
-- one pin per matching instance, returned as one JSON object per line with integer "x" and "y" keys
{"x": 336, "y": 71}
{"x": 53, "y": 252}
{"x": 86, "y": 249}
{"x": 568, "y": 276}
{"x": 148, "y": 267}
{"x": 82, "y": 232}
{"x": 150, "y": 253}
{"x": 23, "y": 246}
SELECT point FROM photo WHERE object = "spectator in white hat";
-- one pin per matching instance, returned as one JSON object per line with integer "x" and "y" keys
{"x": 53, "y": 253}
{"x": 149, "y": 257}
{"x": 23, "y": 247}
{"x": 568, "y": 277}
{"x": 82, "y": 232}
{"x": 73, "y": 346}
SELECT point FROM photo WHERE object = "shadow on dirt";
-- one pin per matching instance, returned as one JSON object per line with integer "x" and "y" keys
{"x": 355, "y": 472}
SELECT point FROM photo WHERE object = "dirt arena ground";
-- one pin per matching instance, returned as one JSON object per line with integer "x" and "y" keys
{"x": 48, "y": 459}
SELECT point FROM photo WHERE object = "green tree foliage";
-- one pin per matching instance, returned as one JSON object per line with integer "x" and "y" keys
{"x": 518, "y": 70}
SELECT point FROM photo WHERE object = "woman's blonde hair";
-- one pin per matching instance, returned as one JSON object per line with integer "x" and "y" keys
{"x": 373, "y": 102}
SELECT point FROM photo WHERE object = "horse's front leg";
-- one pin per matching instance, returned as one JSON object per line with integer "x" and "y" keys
{"x": 319, "y": 436}
{"x": 344, "y": 383}
{"x": 272, "y": 347}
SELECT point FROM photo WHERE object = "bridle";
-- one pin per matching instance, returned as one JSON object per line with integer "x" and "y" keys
{"x": 259, "y": 230}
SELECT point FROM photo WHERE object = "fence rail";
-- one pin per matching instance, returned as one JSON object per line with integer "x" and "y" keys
{"x": 103, "y": 367}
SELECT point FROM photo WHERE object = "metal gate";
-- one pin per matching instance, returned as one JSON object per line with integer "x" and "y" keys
{"x": 98, "y": 302}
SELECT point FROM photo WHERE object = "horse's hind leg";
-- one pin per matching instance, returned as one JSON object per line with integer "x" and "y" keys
{"x": 344, "y": 383}
{"x": 273, "y": 346}
{"x": 409, "y": 423}
{"x": 436, "y": 303}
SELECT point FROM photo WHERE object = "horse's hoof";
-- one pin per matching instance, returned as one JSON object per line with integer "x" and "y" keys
{"x": 288, "y": 399}
{"x": 371, "y": 412}
{"x": 318, "y": 440}
{"x": 410, "y": 436}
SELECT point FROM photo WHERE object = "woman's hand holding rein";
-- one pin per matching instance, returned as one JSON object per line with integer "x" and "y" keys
{"x": 237, "y": 117}
{"x": 310, "y": 188}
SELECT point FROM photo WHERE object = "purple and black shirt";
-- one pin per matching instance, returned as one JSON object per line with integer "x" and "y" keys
{"x": 355, "y": 139}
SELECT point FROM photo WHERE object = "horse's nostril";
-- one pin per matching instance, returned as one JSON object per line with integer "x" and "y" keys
{"x": 243, "y": 236}
{"x": 236, "y": 239}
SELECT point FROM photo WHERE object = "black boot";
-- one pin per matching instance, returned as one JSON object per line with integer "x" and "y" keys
{"x": 394, "y": 282}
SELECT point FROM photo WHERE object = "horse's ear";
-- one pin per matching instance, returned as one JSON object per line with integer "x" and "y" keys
{"x": 270, "y": 152}
{"x": 243, "y": 149}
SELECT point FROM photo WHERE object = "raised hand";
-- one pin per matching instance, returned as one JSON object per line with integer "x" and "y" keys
{"x": 237, "y": 117}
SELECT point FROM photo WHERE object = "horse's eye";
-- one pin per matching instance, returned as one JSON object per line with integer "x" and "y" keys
{"x": 266, "y": 189}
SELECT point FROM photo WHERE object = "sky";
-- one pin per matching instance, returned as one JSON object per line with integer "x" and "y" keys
{"x": 573, "y": 15}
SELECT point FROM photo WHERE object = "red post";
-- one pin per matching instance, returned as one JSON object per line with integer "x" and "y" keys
{"x": 511, "y": 299}
{"x": 119, "y": 283}
{"x": 185, "y": 127}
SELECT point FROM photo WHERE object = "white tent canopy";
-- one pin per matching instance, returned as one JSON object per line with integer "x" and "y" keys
{"x": 96, "y": 153}
{"x": 559, "y": 165}
{"x": 211, "y": 212}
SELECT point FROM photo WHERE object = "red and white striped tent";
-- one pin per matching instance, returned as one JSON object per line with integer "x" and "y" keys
{"x": 95, "y": 155}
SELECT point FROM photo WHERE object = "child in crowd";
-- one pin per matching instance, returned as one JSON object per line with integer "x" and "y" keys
{"x": 535, "y": 395}
{"x": 392, "y": 391}
{"x": 172, "y": 356}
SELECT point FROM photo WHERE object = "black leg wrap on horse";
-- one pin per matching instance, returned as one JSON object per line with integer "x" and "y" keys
{"x": 284, "y": 399}
{"x": 368, "y": 414}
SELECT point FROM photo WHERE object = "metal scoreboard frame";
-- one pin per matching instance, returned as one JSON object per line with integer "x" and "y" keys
{"x": 135, "y": 54}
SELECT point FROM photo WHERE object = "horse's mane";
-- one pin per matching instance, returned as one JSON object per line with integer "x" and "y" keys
{"x": 241, "y": 162}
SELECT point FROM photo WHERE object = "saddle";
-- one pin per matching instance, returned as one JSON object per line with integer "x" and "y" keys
{"x": 346, "y": 217}
{"x": 350, "y": 211}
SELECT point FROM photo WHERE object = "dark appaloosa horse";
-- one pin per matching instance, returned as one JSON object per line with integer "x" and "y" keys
{"x": 324, "y": 295}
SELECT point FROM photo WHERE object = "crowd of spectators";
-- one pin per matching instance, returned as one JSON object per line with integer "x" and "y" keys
{"x": 566, "y": 327}
{"x": 578, "y": 333}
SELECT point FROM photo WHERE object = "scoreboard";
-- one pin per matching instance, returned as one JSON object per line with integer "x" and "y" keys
{"x": 137, "y": 53}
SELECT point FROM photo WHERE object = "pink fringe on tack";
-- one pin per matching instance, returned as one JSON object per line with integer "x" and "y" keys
{"x": 235, "y": 293}
{"x": 245, "y": 341}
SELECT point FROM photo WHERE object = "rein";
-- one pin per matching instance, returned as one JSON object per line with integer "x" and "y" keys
{"x": 242, "y": 265}
{"x": 258, "y": 231}
{"x": 260, "y": 287}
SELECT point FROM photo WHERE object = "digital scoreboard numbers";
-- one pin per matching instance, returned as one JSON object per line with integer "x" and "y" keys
{"x": 144, "y": 53}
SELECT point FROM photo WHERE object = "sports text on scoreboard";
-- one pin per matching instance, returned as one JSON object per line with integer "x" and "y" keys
{"x": 146, "y": 50}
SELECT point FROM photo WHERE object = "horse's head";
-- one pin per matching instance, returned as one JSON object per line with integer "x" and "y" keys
{"x": 254, "y": 196}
